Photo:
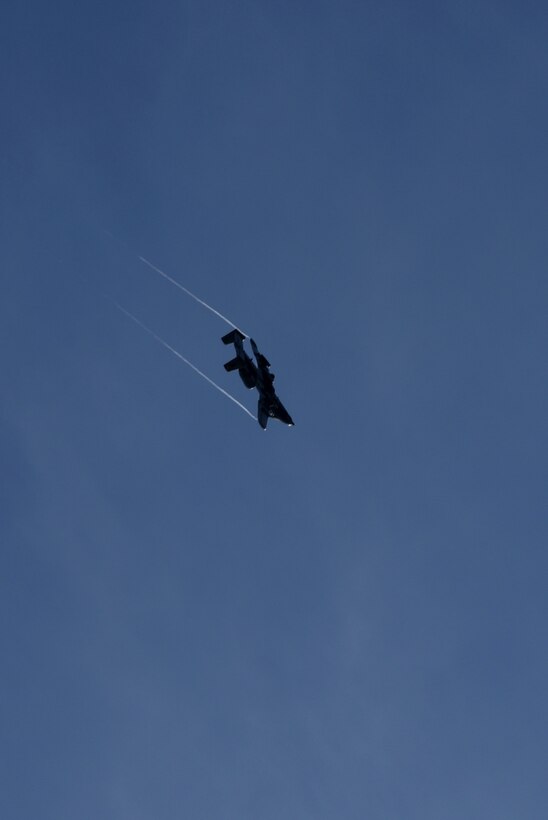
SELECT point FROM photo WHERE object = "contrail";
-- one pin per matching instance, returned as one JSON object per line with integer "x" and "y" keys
{"x": 179, "y": 355}
{"x": 189, "y": 293}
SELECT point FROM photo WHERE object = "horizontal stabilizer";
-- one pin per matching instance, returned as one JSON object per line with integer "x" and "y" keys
{"x": 230, "y": 338}
{"x": 233, "y": 364}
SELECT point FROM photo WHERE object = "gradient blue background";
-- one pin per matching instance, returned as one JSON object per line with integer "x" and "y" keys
{"x": 346, "y": 619}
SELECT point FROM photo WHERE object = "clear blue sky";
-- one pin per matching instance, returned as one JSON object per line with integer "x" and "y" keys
{"x": 345, "y": 619}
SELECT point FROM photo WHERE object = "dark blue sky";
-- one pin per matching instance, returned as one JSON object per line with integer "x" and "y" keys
{"x": 347, "y": 618}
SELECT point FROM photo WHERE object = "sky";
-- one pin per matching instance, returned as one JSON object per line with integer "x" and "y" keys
{"x": 346, "y": 618}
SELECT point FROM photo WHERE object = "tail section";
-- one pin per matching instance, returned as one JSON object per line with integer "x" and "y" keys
{"x": 233, "y": 336}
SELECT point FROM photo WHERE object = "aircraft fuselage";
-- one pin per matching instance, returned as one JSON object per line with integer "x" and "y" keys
{"x": 258, "y": 376}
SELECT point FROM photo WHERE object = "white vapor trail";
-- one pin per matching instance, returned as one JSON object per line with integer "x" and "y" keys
{"x": 189, "y": 293}
{"x": 180, "y": 356}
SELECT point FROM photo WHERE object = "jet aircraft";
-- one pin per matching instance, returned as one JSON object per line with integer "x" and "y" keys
{"x": 256, "y": 375}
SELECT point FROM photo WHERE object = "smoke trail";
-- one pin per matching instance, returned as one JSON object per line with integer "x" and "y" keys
{"x": 181, "y": 357}
{"x": 189, "y": 293}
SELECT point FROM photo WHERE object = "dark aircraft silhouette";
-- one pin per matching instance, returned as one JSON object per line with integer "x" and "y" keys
{"x": 259, "y": 376}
